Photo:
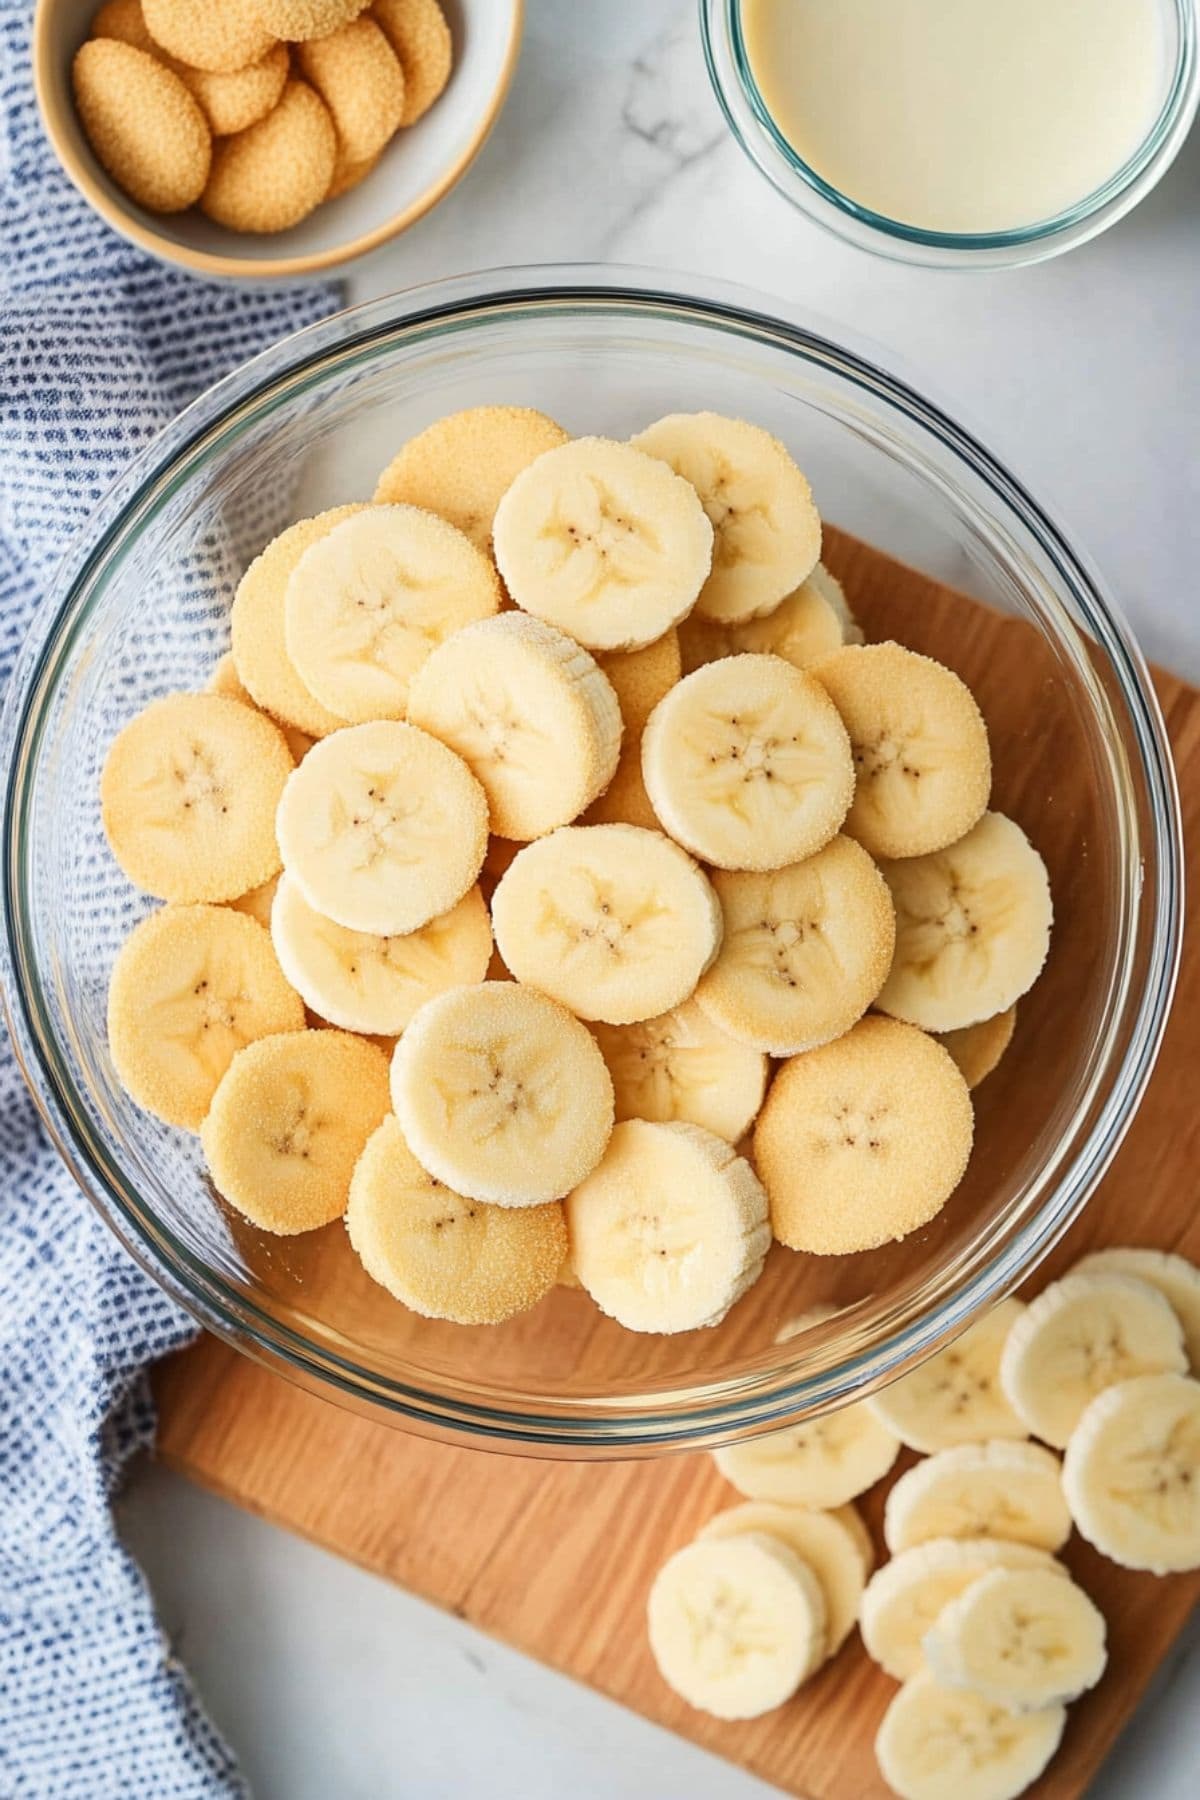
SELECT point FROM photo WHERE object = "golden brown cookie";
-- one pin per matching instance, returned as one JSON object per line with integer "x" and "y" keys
{"x": 270, "y": 177}
{"x": 357, "y": 75}
{"x": 144, "y": 126}
{"x": 418, "y": 33}
{"x": 209, "y": 34}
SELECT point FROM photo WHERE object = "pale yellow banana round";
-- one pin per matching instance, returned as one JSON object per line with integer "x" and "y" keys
{"x": 289, "y": 1120}
{"x": 808, "y": 625}
{"x": 641, "y": 678}
{"x": 1130, "y": 1473}
{"x": 940, "y": 1743}
{"x": 997, "y": 1489}
{"x": 371, "y": 984}
{"x": 955, "y": 1396}
{"x": 1177, "y": 1280}
{"x": 972, "y": 927}
{"x": 682, "y": 1066}
{"x": 502, "y": 1094}
{"x": 371, "y": 599}
{"x": 382, "y": 828}
{"x": 747, "y": 764}
{"x": 442, "y": 1255}
{"x": 604, "y": 542}
{"x": 188, "y": 797}
{"x": 1022, "y": 1638}
{"x": 767, "y": 533}
{"x": 616, "y": 923}
{"x": 864, "y": 1140}
{"x": 977, "y": 1049}
{"x": 191, "y": 986}
{"x": 823, "y": 1463}
{"x": 923, "y": 767}
{"x": 805, "y": 949}
{"x": 531, "y": 715}
{"x": 825, "y": 1541}
{"x": 461, "y": 466}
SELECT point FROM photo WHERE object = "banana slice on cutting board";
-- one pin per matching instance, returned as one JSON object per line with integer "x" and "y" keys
{"x": 736, "y": 1624}
{"x": 372, "y": 598}
{"x": 615, "y": 922}
{"x": 603, "y": 542}
{"x": 502, "y": 1094}
{"x": 1132, "y": 1473}
{"x": 442, "y": 1255}
{"x": 767, "y": 533}
{"x": 808, "y": 625}
{"x": 1022, "y": 1638}
{"x": 669, "y": 1229}
{"x": 864, "y": 1140}
{"x": 822, "y": 1464}
{"x": 998, "y": 1489}
{"x": 939, "y": 1743}
{"x": 1083, "y": 1334}
{"x": 977, "y": 1049}
{"x": 460, "y": 466}
{"x": 972, "y": 927}
{"x": 747, "y": 764}
{"x": 1177, "y": 1280}
{"x": 682, "y": 1066}
{"x": 955, "y": 1397}
{"x": 827, "y": 1542}
{"x": 531, "y": 715}
{"x": 804, "y": 952}
{"x": 382, "y": 828}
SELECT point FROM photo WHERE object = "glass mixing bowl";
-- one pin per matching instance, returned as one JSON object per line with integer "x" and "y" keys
{"x": 141, "y": 607}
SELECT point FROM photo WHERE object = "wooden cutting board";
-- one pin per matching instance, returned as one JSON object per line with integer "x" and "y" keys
{"x": 556, "y": 1558}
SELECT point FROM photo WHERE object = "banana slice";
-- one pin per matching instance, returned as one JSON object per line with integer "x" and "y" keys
{"x": 625, "y": 800}
{"x": 1177, "y": 1280}
{"x": 736, "y": 1624}
{"x": 955, "y": 1397}
{"x": 921, "y": 755}
{"x": 502, "y": 1095}
{"x": 257, "y": 623}
{"x": 804, "y": 952}
{"x": 938, "y": 1743}
{"x": 824, "y": 1541}
{"x": 972, "y": 927}
{"x": 820, "y": 1464}
{"x": 375, "y": 984}
{"x": 977, "y": 1049}
{"x": 996, "y": 1490}
{"x": 747, "y": 764}
{"x": 1132, "y": 1473}
{"x": 188, "y": 796}
{"x": 616, "y": 923}
{"x": 1083, "y": 1334}
{"x": 257, "y": 903}
{"x": 864, "y": 1140}
{"x": 190, "y": 987}
{"x": 372, "y": 598}
{"x": 604, "y": 542}
{"x": 669, "y": 1229}
{"x": 641, "y": 678}
{"x": 460, "y": 466}
{"x": 529, "y": 713}
{"x": 808, "y": 625}
{"x": 289, "y": 1120}
{"x": 682, "y": 1066}
{"x": 382, "y": 828}
{"x": 1023, "y": 1638}
{"x": 441, "y": 1255}
{"x": 767, "y": 531}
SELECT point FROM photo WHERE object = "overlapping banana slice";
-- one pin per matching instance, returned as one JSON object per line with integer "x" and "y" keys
{"x": 1177, "y": 1280}
{"x": 955, "y": 1397}
{"x": 682, "y": 1066}
{"x": 767, "y": 530}
{"x": 461, "y": 466}
{"x": 977, "y": 1049}
{"x": 1021, "y": 1638}
{"x": 834, "y": 1545}
{"x": 1130, "y": 1473}
{"x": 821, "y": 1464}
{"x": 998, "y": 1489}
{"x": 808, "y": 625}
{"x": 940, "y": 1743}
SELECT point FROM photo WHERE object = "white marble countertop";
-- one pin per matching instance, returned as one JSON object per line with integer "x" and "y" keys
{"x": 1084, "y": 374}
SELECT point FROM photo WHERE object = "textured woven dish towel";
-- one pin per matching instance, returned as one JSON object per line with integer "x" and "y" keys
{"x": 99, "y": 347}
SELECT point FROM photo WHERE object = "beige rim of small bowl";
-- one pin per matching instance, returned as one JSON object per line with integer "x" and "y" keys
{"x": 204, "y": 262}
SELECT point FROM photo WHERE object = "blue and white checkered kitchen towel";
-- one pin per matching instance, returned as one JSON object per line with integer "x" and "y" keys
{"x": 99, "y": 347}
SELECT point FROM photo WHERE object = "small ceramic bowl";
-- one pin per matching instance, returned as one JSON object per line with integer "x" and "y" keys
{"x": 420, "y": 164}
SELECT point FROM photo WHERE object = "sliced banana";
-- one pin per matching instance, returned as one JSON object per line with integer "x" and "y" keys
{"x": 747, "y": 764}
{"x": 1132, "y": 1473}
{"x": 372, "y": 598}
{"x": 625, "y": 800}
{"x": 191, "y": 986}
{"x": 460, "y": 466}
{"x": 820, "y": 1464}
{"x": 972, "y": 927}
{"x": 188, "y": 796}
{"x": 1022, "y": 1638}
{"x": 825, "y": 1541}
{"x": 805, "y": 949}
{"x": 905, "y": 1597}
{"x": 669, "y": 1229}
{"x": 977, "y": 1049}
{"x": 604, "y": 542}
{"x": 736, "y": 1624}
{"x": 641, "y": 678}
{"x": 1083, "y": 1334}
{"x": 530, "y": 714}
{"x": 615, "y": 922}
{"x": 955, "y": 1397}
{"x": 442, "y": 1255}
{"x": 682, "y": 1066}
{"x": 375, "y": 984}
{"x": 767, "y": 533}
{"x": 808, "y": 625}
{"x": 864, "y": 1140}
{"x": 999, "y": 1489}
{"x": 502, "y": 1094}
{"x": 939, "y": 1743}
{"x": 921, "y": 757}
{"x": 1177, "y": 1280}
{"x": 289, "y": 1120}
{"x": 382, "y": 828}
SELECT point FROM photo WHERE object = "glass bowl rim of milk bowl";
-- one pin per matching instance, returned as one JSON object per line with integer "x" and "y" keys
{"x": 958, "y": 133}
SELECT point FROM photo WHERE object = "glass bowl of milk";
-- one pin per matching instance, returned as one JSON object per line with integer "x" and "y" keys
{"x": 958, "y": 132}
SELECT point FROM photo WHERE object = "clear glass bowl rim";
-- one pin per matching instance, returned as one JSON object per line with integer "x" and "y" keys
{"x": 586, "y": 1427}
